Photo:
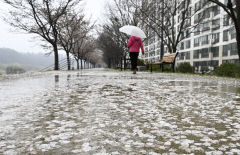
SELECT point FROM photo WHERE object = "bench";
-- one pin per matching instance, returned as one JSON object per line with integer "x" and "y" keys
{"x": 167, "y": 59}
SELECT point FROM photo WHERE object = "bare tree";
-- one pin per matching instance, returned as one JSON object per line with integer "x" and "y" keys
{"x": 95, "y": 58}
{"x": 40, "y": 17}
{"x": 232, "y": 8}
{"x": 81, "y": 38}
{"x": 112, "y": 52}
{"x": 120, "y": 13}
{"x": 68, "y": 28}
{"x": 89, "y": 52}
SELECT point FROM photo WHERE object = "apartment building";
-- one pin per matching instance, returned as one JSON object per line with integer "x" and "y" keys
{"x": 210, "y": 42}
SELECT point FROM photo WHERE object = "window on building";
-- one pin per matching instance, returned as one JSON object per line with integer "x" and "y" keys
{"x": 214, "y": 63}
{"x": 215, "y": 38}
{"x": 204, "y": 40}
{"x": 225, "y": 35}
{"x": 196, "y": 18}
{"x": 206, "y": 13}
{"x": 196, "y": 42}
{"x": 216, "y": 24}
{"x": 187, "y": 23}
{"x": 181, "y": 56}
{"x": 188, "y": 44}
{"x": 158, "y": 44}
{"x": 226, "y": 20}
{"x": 152, "y": 54}
{"x": 233, "y": 33}
{"x": 197, "y": 30}
{"x": 189, "y": 11}
{"x": 196, "y": 54}
{"x": 196, "y": 64}
{"x": 225, "y": 50}
{"x": 187, "y": 33}
{"x": 182, "y": 46}
{"x": 204, "y": 53}
{"x": 206, "y": 26}
{"x": 235, "y": 61}
{"x": 158, "y": 52}
{"x": 215, "y": 51}
{"x": 233, "y": 50}
{"x": 216, "y": 10}
{"x": 165, "y": 49}
{"x": 187, "y": 56}
{"x": 146, "y": 50}
{"x": 205, "y": 64}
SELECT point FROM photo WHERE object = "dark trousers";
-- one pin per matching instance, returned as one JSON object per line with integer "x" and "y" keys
{"x": 134, "y": 58}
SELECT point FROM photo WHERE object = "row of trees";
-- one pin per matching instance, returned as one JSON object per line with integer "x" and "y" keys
{"x": 58, "y": 24}
{"x": 110, "y": 40}
{"x": 158, "y": 17}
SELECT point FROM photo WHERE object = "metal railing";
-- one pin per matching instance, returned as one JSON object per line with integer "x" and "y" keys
{"x": 63, "y": 65}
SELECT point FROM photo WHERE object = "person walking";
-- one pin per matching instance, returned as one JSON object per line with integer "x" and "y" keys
{"x": 134, "y": 44}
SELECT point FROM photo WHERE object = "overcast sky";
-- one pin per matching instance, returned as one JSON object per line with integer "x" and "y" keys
{"x": 26, "y": 42}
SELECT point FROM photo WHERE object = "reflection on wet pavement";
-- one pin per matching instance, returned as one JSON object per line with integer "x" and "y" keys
{"x": 107, "y": 112}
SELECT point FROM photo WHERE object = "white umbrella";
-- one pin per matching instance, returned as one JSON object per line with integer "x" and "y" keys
{"x": 133, "y": 31}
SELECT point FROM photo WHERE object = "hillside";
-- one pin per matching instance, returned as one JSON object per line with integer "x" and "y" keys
{"x": 29, "y": 61}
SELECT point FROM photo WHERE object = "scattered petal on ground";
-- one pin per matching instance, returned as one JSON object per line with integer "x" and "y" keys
{"x": 108, "y": 112}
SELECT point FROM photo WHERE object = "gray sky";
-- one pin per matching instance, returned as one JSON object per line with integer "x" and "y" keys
{"x": 26, "y": 42}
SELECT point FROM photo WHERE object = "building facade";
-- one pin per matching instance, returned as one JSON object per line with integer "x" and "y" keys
{"x": 212, "y": 40}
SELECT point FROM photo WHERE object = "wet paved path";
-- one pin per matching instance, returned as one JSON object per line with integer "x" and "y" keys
{"x": 107, "y": 112}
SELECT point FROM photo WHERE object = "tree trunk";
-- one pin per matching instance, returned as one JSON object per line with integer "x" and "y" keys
{"x": 162, "y": 49}
{"x": 109, "y": 63}
{"x": 84, "y": 64}
{"x": 125, "y": 62}
{"x": 81, "y": 64}
{"x": 77, "y": 63}
{"x": 173, "y": 64}
{"x": 237, "y": 25}
{"x": 56, "y": 64}
{"x": 238, "y": 41}
{"x": 68, "y": 61}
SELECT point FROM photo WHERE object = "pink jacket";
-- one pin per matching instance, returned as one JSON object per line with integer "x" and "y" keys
{"x": 134, "y": 44}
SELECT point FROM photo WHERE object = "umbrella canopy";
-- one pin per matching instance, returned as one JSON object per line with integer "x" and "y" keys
{"x": 133, "y": 31}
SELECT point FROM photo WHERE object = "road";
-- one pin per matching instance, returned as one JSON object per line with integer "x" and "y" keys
{"x": 107, "y": 112}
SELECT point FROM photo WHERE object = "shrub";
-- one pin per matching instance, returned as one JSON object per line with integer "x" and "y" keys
{"x": 140, "y": 62}
{"x": 185, "y": 68}
{"x": 156, "y": 68}
{"x": 167, "y": 68}
{"x": 14, "y": 70}
{"x": 0, "y": 73}
{"x": 228, "y": 70}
